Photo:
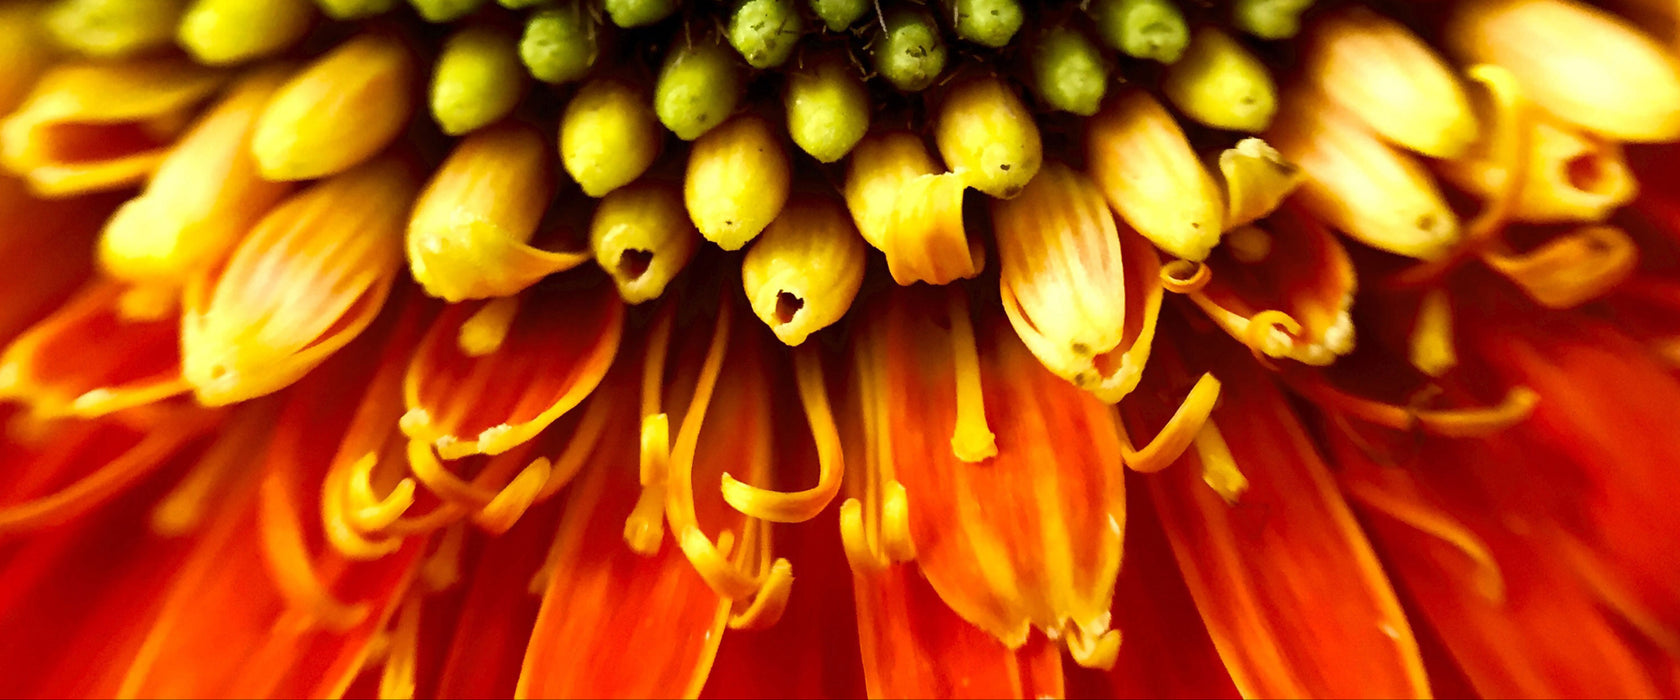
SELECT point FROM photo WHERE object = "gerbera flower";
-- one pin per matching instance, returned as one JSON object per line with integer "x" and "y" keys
{"x": 771, "y": 348}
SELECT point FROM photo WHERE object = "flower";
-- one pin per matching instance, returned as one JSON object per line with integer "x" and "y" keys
{"x": 1336, "y": 355}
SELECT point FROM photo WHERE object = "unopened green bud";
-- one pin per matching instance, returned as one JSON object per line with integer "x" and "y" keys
{"x": 986, "y": 22}
{"x": 1068, "y": 71}
{"x": 1220, "y": 84}
{"x": 1269, "y": 19}
{"x": 220, "y": 32}
{"x": 444, "y": 10}
{"x": 1147, "y": 29}
{"x": 638, "y": 13}
{"x": 765, "y": 31}
{"x": 478, "y": 81}
{"x": 355, "y": 9}
{"x": 698, "y": 88}
{"x": 114, "y": 28}
{"x": 839, "y": 15}
{"x": 827, "y": 108}
{"x": 559, "y": 44}
{"x": 911, "y": 54}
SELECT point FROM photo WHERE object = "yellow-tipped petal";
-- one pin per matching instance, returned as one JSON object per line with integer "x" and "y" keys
{"x": 608, "y": 136}
{"x": 25, "y": 50}
{"x": 1377, "y": 69}
{"x": 641, "y": 236}
{"x": 114, "y": 28}
{"x": 1146, "y": 168}
{"x": 908, "y": 209}
{"x": 1580, "y": 63}
{"x": 478, "y": 79}
{"x": 337, "y": 112}
{"x": 204, "y": 196}
{"x": 1257, "y": 180}
{"x": 737, "y": 180}
{"x": 1571, "y": 175}
{"x": 1361, "y": 186}
{"x": 1221, "y": 84}
{"x": 220, "y": 32}
{"x": 803, "y": 273}
{"x": 307, "y": 280}
{"x": 469, "y": 236}
{"x": 987, "y": 136}
{"x": 97, "y": 126}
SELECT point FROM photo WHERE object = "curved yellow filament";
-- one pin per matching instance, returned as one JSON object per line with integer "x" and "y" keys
{"x": 340, "y": 532}
{"x": 1270, "y": 333}
{"x": 290, "y": 565}
{"x": 367, "y": 510}
{"x": 396, "y": 679}
{"x": 497, "y": 516}
{"x": 431, "y": 472}
{"x": 799, "y": 506}
{"x": 1518, "y": 403}
{"x": 1490, "y": 582}
{"x": 1185, "y": 276}
{"x": 644, "y": 528}
{"x": 971, "y": 440}
{"x": 767, "y": 605}
{"x": 1175, "y": 437}
{"x": 585, "y": 438}
{"x": 1572, "y": 269}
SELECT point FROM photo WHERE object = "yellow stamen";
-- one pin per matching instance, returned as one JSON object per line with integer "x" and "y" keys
{"x": 1185, "y": 276}
{"x": 1219, "y": 467}
{"x": 988, "y": 137}
{"x": 644, "y": 529}
{"x": 499, "y": 515}
{"x": 803, "y": 273}
{"x": 1097, "y": 652}
{"x": 291, "y": 565}
{"x": 222, "y": 32}
{"x": 365, "y": 508}
{"x": 1518, "y": 403}
{"x": 642, "y": 237}
{"x": 100, "y": 126}
{"x": 971, "y": 439}
{"x": 875, "y": 523}
{"x": 396, "y": 679}
{"x": 737, "y": 181}
{"x": 1179, "y": 432}
{"x": 470, "y": 232}
{"x": 340, "y": 531}
{"x": 443, "y": 482}
{"x": 799, "y": 506}
{"x": 486, "y": 329}
{"x": 591, "y": 427}
{"x": 1153, "y": 178}
{"x": 1571, "y": 269}
{"x": 339, "y": 111}
{"x": 608, "y": 136}
{"x": 113, "y": 28}
{"x": 1257, "y": 180}
{"x": 909, "y": 209}
{"x": 1431, "y": 344}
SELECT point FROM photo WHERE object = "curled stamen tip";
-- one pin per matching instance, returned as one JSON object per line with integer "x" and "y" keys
{"x": 769, "y": 602}
{"x": 854, "y": 539}
{"x": 1185, "y": 276}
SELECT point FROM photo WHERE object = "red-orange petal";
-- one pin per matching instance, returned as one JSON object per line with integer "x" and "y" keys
{"x": 1290, "y": 589}
{"x": 494, "y": 621}
{"x": 55, "y": 237}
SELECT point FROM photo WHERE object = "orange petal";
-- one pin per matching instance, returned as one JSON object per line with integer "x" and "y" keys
{"x": 1290, "y": 589}
{"x": 1031, "y": 536}
{"x": 91, "y": 358}
{"x": 262, "y": 607}
{"x": 497, "y": 612}
{"x": 490, "y": 376}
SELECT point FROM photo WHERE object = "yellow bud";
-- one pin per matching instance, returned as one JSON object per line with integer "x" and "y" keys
{"x": 25, "y": 51}
{"x": 308, "y": 279}
{"x": 1257, "y": 180}
{"x": 1220, "y": 84}
{"x": 203, "y": 197}
{"x": 737, "y": 180}
{"x": 98, "y": 126}
{"x": 337, "y": 112}
{"x": 1572, "y": 176}
{"x": 1377, "y": 69}
{"x": 1360, "y": 185}
{"x": 1063, "y": 277}
{"x": 909, "y": 209}
{"x": 608, "y": 136}
{"x": 641, "y": 236}
{"x": 220, "y": 32}
{"x": 1145, "y": 167}
{"x": 469, "y": 236}
{"x": 113, "y": 28}
{"x": 803, "y": 273}
{"x": 987, "y": 136}
{"x": 478, "y": 79}
{"x": 1580, "y": 63}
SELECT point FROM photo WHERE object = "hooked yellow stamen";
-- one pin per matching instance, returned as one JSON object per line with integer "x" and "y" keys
{"x": 644, "y": 529}
{"x": 1271, "y": 334}
{"x": 396, "y": 679}
{"x": 1431, "y": 344}
{"x": 440, "y": 480}
{"x": 1185, "y": 276}
{"x": 738, "y": 179}
{"x": 336, "y": 524}
{"x": 875, "y": 524}
{"x": 1518, "y": 404}
{"x": 799, "y": 506}
{"x": 642, "y": 237}
{"x": 486, "y": 329}
{"x": 1176, "y": 436}
{"x": 291, "y": 565}
{"x": 365, "y": 508}
{"x": 499, "y": 515}
{"x": 1152, "y": 177}
{"x": 1571, "y": 269}
{"x": 1570, "y": 175}
{"x": 971, "y": 439}
{"x": 1219, "y": 467}
{"x": 803, "y": 273}
{"x": 1257, "y": 180}
{"x": 908, "y": 208}
{"x": 338, "y": 112}
{"x": 988, "y": 137}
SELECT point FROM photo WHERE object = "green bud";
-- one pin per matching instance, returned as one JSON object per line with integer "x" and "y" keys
{"x": 445, "y": 10}
{"x": 1269, "y": 19}
{"x": 1068, "y": 71}
{"x": 698, "y": 88}
{"x": 827, "y": 108}
{"x": 765, "y": 31}
{"x": 520, "y": 4}
{"x": 220, "y": 32}
{"x": 840, "y": 14}
{"x": 911, "y": 54}
{"x": 478, "y": 80}
{"x": 638, "y": 13}
{"x": 559, "y": 44}
{"x": 987, "y": 22}
{"x": 355, "y": 9}
{"x": 1148, "y": 29}
{"x": 1220, "y": 84}
{"x": 114, "y": 28}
